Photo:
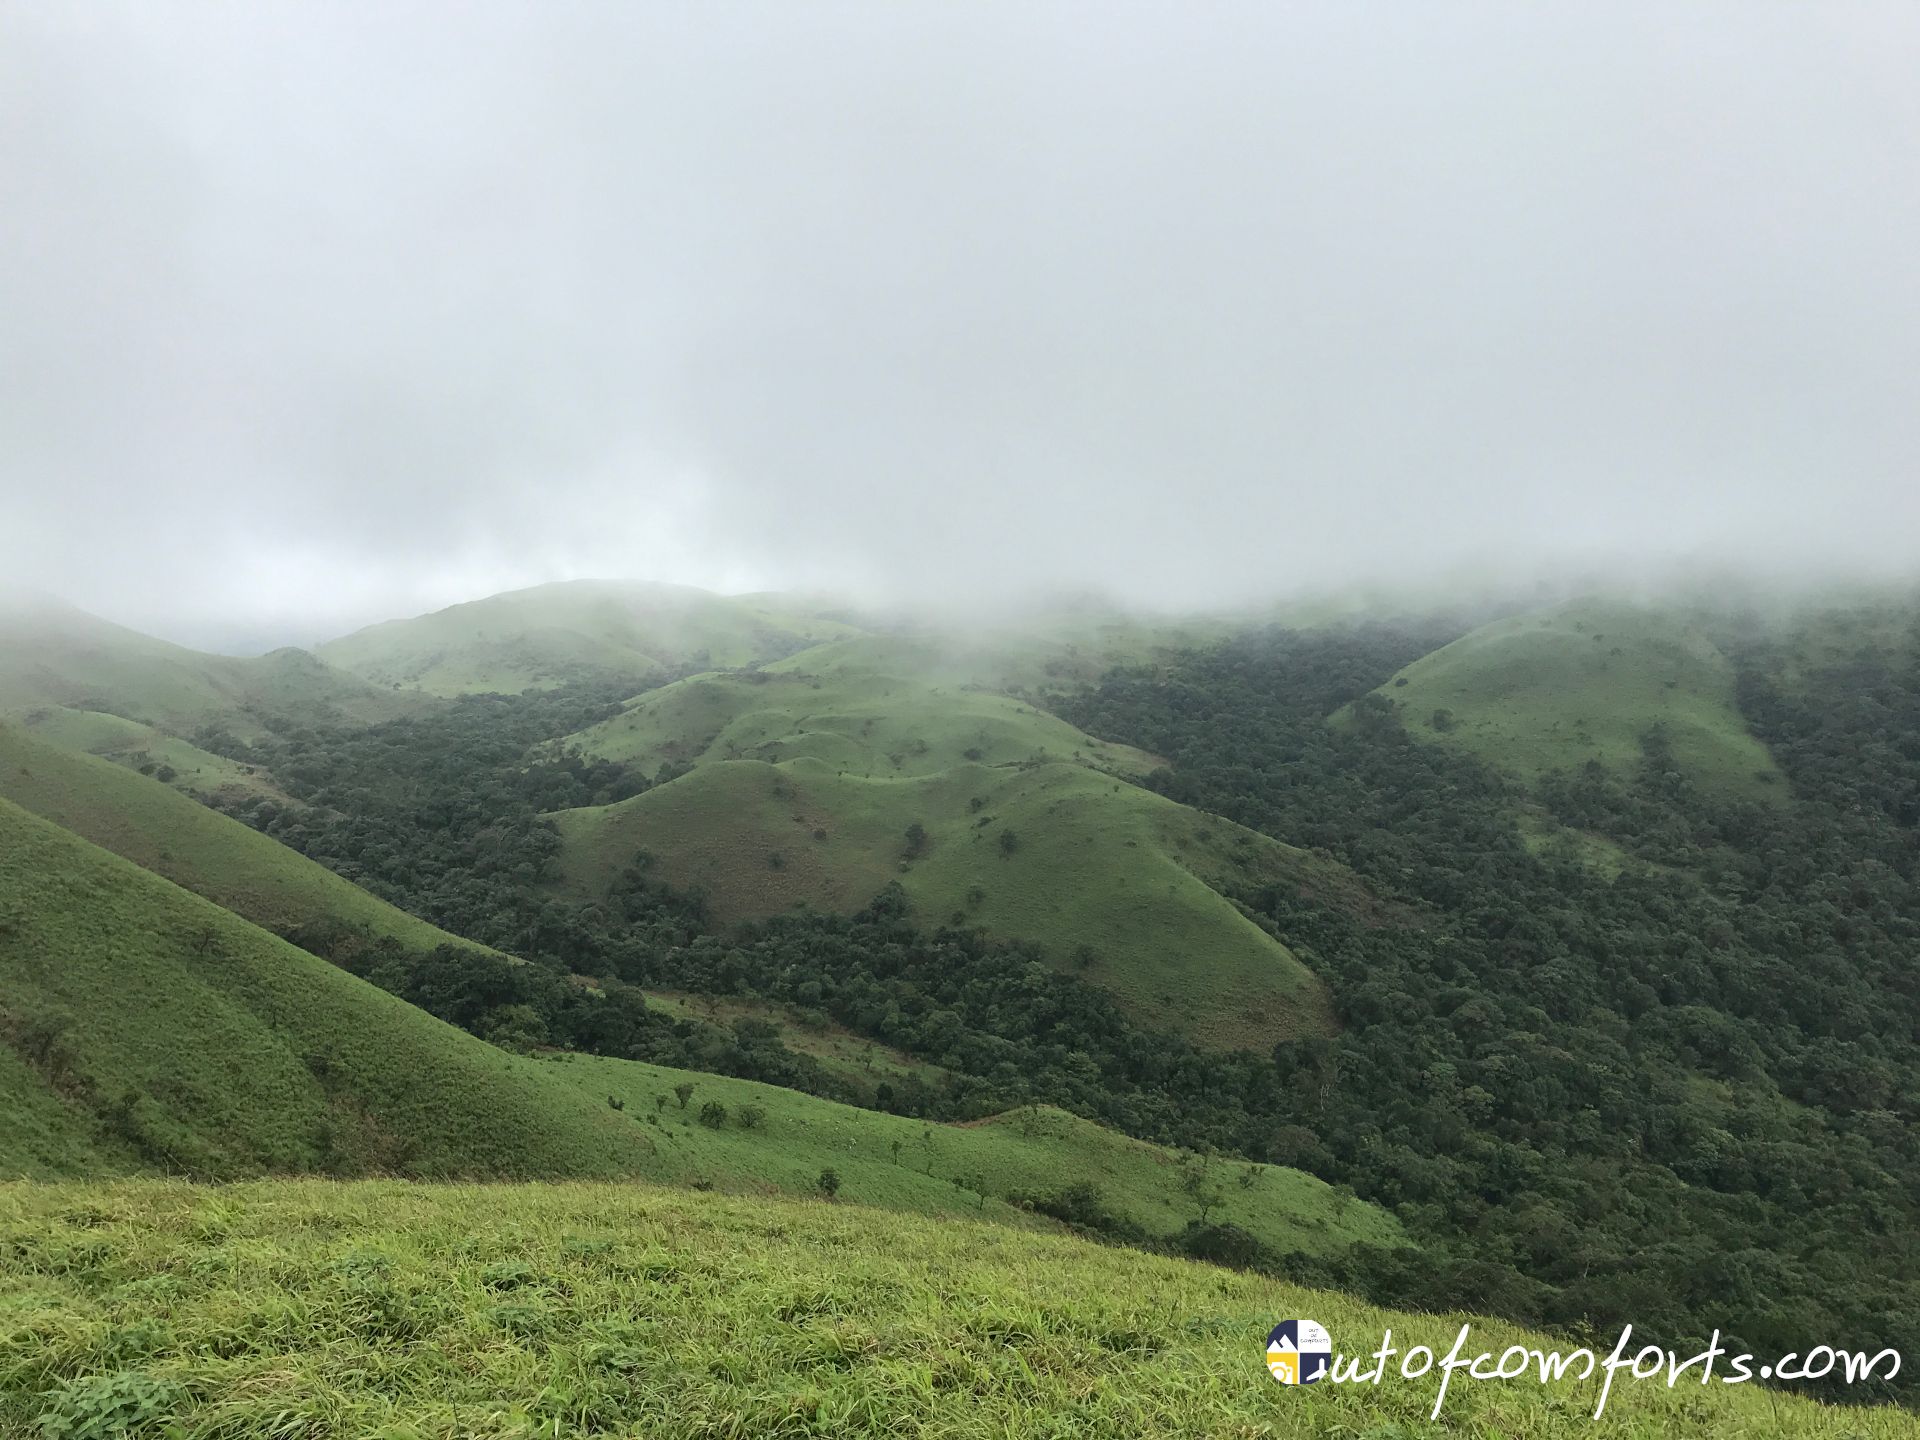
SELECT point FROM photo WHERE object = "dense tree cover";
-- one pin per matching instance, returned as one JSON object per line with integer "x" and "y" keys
{"x": 1683, "y": 1097}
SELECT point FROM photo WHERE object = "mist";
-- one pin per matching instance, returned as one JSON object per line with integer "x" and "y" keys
{"x": 314, "y": 314}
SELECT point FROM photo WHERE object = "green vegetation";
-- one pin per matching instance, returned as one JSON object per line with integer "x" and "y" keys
{"x": 54, "y": 655}
{"x": 863, "y": 1063}
{"x": 142, "y": 748}
{"x": 981, "y": 1167}
{"x": 179, "y": 1037}
{"x": 309, "y": 1308}
{"x": 1585, "y": 682}
{"x": 866, "y": 724}
{"x": 197, "y": 848}
{"x": 1104, "y": 877}
{"x": 577, "y": 631}
{"x": 144, "y": 1027}
{"x": 1609, "y": 1091}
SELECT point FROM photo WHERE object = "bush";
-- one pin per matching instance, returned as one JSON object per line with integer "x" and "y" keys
{"x": 713, "y": 1115}
{"x": 829, "y": 1182}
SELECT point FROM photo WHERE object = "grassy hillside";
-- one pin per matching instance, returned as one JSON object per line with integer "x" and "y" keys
{"x": 54, "y": 655}
{"x": 310, "y": 1309}
{"x": 906, "y": 1164}
{"x": 177, "y": 1033}
{"x": 143, "y": 749}
{"x": 199, "y": 849}
{"x": 866, "y": 1064}
{"x": 577, "y": 630}
{"x": 1052, "y": 650}
{"x": 143, "y": 1027}
{"x": 1109, "y": 878}
{"x": 1584, "y": 681}
{"x": 866, "y": 723}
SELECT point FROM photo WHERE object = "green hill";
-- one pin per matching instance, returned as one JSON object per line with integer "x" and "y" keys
{"x": 865, "y": 723}
{"x": 54, "y": 655}
{"x": 145, "y": 749}
{"x": 143, "y": 1027}
{"x": 906, "y": 1164}
{"x": 178, "y": 1036}
{"x": 576, "y": 630}
{"x": 307, "y": 1309}
{"x": 1107, "y": 877}
{"x": 1052, "y": 650}
{"x": 1585, "y": 681}
{"x": 198, "y": 849}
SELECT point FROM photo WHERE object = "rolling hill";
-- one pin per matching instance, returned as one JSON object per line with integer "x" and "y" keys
{"x": 305, "y": 1308}
{"x": 178, "y": 1036}
{"x": 1584, "y": 681}
{"x": 52, "y": 654}
{"x": 866, "y": 723}
{"x": 143, "y": 1027}
{"x": 172, "y": 835}
{"x": 1104, "y": 876}
{"x": 575, "y": 630}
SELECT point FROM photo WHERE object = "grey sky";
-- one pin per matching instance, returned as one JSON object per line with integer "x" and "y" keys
{"x": 314, "y": 313}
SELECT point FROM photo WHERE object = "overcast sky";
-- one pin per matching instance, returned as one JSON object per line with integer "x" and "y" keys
{"x": 311, "y": 314}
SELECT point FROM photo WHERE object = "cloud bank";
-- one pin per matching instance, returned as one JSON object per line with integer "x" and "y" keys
{"x": 312, "y": 313}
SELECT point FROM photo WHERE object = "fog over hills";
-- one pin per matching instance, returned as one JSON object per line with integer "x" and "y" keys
{"x": 315, "y": 318}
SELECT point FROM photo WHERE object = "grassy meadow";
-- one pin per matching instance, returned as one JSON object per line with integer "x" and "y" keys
{"x": 574, "y": 630}
{"x": 1584, "y": 681}
{"x": 53, "y": 655}
{"x": 146, "y": 1028}
{"x": 1113, "y": 881}
{"x": 172, "y": 835}
{"x": 309, "y": 1309}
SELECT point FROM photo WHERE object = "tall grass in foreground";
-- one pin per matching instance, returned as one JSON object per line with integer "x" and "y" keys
{"x": 310, "y": 1309}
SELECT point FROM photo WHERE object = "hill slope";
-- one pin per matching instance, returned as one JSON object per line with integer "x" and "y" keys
{"x": 575, "y": 630}
{"x": 1100, "y": 874}
{"x": 308, "y": 1308}
{"x": 144, "y": 1027}
{"x": 180, "y": 1036}
{"x": 199, "y": 849}
{"x": 1584, "y": 681}
{"x": 867, "y": 723}
{"x": 55, "y": 655}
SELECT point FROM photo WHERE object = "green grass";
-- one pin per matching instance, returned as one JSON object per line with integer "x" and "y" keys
{"x": 200, "y": 849}
{"x": 177, "y": 1032}
{"x": 310, "y": 1309}
{"x": 142, "y": 1026}
{"x": 1098, "y": 863}
{"x": 54, "y": 655}
{"x": 577, "y": 630}
{"x": 865, "y": 1063}
{"x": 1027, "y": 1151}
{"x": 1584, "y": 681}
{"x": 1058, "y": 649}
{"x": 143, "y": 749}
{"x": 865, "y": 724}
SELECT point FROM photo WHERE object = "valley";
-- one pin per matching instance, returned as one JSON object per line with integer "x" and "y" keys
{"x": 1434, "y": 967}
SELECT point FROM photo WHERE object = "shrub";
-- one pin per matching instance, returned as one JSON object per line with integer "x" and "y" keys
{"x": 829, "y": 1182}
{"x": 107, "y": 1407}
{"x": 713, "y": 1115}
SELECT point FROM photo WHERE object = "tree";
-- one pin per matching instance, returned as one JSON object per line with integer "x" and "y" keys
{"x": 684, "y": 1090}
{"x": 916, "y": 841}
{"x": 1009, "y": 842}
{"x": 829, "y": 1182}
{"x": 713, "y": 1115}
